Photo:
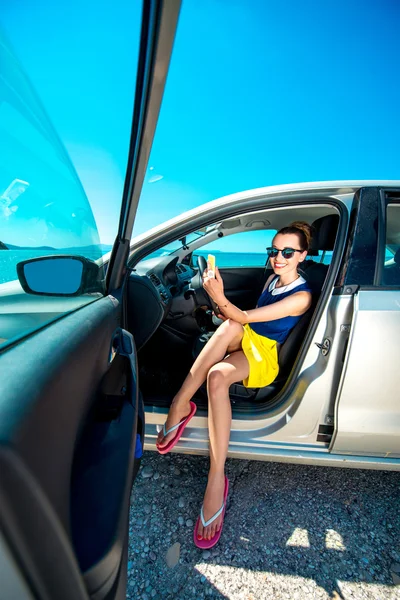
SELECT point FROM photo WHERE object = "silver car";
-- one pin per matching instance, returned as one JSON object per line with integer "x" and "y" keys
{"x": 335, "y": 401}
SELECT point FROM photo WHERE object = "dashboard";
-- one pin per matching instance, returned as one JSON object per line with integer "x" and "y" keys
{"x": 162, "y": 289}
{"x": 170, "y": 278}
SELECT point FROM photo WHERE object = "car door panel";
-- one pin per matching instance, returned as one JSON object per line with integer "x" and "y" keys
{"x": 368, "y": 411}
{"x": 65, "y": 455}
{"x": 71, "y": 417}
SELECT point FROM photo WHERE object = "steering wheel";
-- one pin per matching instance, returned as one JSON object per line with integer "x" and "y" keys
{"x": 202, "y": 264}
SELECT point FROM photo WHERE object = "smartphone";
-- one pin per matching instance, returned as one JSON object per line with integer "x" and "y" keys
{"x": 211, "y": 265}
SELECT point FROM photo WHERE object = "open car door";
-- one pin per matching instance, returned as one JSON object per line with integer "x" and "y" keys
{"x": 71, "y": 417}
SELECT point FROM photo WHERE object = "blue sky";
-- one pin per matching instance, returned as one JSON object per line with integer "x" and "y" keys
{"x": 258, "y": 93}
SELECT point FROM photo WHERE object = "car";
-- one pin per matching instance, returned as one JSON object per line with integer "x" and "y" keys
{"x": 334, "y": 402}
{"x": 94, "y": 344}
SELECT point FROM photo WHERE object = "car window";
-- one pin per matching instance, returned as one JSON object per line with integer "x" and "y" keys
{"x": 244, "y": 249}
{"x": 43, "y": 207}
{"x": 44, "y": 210}
{"x": 324, "y": 257}
{"x": 391, "y": 269}
{"x": 81, "y": 59}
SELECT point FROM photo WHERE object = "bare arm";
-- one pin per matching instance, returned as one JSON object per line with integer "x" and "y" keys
{"x": 294, "y": 305}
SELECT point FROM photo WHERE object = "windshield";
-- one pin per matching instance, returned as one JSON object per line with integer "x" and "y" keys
{"x": 182, "y": 242}
{"x": 262, "y": 93}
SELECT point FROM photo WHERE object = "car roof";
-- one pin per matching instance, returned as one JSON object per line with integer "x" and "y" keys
{"x": 317, "y": 188}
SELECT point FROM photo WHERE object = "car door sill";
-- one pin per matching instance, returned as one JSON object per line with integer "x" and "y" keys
{"x": 315, "y": 455}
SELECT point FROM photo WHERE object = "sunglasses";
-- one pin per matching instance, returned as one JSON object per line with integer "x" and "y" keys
{"x": 286, "y": 252}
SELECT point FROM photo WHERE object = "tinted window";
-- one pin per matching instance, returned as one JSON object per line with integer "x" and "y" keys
{"x": 43, "y": 208}
{"x": 391, "y": 269}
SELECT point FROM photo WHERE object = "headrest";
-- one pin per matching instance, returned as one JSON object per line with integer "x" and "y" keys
{"x": 397, "y": 257}
{"x": 324, "y": 234}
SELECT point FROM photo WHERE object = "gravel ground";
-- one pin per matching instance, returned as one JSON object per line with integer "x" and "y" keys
{"x": 291, "y": 532}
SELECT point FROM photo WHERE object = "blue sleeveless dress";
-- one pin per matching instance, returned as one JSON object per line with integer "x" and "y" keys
{"x": 260, "y": 339}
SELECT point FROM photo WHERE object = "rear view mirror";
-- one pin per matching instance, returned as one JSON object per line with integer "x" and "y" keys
{"x": 59, "y": 276}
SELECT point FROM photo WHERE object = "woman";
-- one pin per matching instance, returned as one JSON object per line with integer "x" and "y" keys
{"x": 244, "y": 347}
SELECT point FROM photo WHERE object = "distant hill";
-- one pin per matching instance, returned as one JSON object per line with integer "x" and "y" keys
{"x": 72, "y": 250}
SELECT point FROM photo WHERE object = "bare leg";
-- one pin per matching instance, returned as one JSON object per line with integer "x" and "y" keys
{"x": 234, "y": 368}
{"x": 227, "y": 338}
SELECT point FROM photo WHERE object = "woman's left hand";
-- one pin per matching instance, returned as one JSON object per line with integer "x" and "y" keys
{"x": 214, "y": 286}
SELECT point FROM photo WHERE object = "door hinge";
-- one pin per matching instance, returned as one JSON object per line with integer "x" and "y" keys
{"x": 325, "y": 346}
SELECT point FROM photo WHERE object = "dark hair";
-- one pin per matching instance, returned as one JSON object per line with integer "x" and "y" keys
{"x": 302, "y": 230}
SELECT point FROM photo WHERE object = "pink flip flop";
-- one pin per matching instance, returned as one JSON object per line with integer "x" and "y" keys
{"x": 180, "y": 428}
{"x": 207, "y": 544}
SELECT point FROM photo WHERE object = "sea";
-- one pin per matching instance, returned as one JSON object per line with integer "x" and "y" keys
{"x": 11, "y": 257}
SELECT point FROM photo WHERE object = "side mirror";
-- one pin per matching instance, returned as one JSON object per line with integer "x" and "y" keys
{"x": 59, "y": 276}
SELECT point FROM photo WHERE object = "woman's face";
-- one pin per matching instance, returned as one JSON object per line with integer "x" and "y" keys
{"x": 280, "y": 264}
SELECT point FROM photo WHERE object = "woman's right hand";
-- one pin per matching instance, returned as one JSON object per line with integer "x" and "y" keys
{"x": 214, "y": 286}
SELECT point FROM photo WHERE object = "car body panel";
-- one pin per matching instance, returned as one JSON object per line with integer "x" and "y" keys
{"x": 368, "y": 407}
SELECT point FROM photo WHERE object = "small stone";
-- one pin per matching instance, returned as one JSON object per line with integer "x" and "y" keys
{"x": 147, "y": 541}
{"x": 153, "y": 593}
{"x": 395, "y": 567}
{"x": 130, "y": 565}
{"x": 153, "y": 556}
{"x": 395, "y": 579}
{"x": 173, "y": 554}
{"x": 147, "y": 472}
{"x": 155, "y": 477}
{"x": 203, "y": 579}
{"x": 189, "y": 523}
{"x": 147, "y": 509}
{"x": 181, "y": 503}
{"x": 181, "y": 520}
{"x": 395, "y": 571}
{"x": 206, "y": 554}
{"x": 146, "y": 549}
{"x": 177, "y": 471}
